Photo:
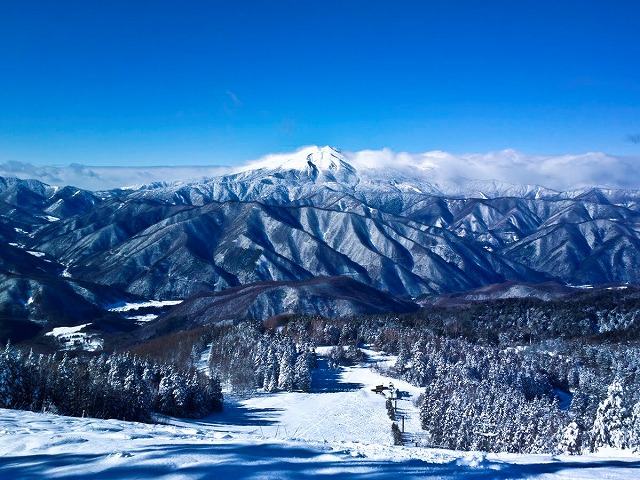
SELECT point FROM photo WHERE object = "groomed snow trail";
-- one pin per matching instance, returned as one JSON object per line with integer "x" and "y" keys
{"x": 340, "y": 407}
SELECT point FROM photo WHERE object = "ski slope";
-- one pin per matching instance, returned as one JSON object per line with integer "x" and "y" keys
{"x": 341, "y": 429}
{"x": 341, "y": 407}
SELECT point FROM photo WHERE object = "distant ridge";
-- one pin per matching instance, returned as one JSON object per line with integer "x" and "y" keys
{"x": 488, "y": 174}
{"x": 329, "y": 297}
{"x": 297, "y": 217}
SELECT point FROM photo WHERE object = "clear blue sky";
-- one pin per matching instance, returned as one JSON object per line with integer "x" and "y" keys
{"x": 216, "y": 82}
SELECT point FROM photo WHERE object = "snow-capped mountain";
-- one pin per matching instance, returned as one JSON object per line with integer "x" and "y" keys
{"x": 319, "y": 164}
{"x": 291, "y": 177}
{"x": 313, "y": 213}
{"x": 311, "y": 170}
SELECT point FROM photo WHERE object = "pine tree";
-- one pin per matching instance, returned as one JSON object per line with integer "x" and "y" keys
{"x": 571, "y": 442}
{"x": 420, "y": 372}
{"x": 271, "y": 369}
{"x": 62, "y": 386}
{"x": 260, "y": 361}
{"x": 196, "y": 401}
{"x": 286, "y": 371}
{"x": 302, "y": 373}
{"x": 32, "y": 381}
{"x": 403, "y": 358}
{"x": 137, "y": 391}
{"x": 10, "y": 378}
{"x": 634, "y": 429}
{"x": 612, "y": 420}
{"x": 166, "y": 399}
{"x": 214, "y": 395}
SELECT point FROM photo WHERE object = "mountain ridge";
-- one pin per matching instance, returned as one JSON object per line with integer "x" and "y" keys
{"x": 429, "y": 169}
{"x": 316, "y": 215}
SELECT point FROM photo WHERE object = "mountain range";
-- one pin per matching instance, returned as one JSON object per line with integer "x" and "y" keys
{"x": 277, "y": 225}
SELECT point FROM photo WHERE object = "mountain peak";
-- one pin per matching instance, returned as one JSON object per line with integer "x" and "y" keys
{"x": 324, "y": 164}
{"x": 323, "y": 158}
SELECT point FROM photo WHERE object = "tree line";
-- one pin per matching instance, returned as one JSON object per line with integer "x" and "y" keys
{"x": 512, "y": 376}
{"x": 118, "y": 386}
{"x": 518, "y": 375}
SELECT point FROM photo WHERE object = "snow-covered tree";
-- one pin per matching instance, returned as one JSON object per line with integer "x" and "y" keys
{"x": 331, "y": 334}
{"x": 287, "y": 360}
{"x": 403, "y": 358}
{"x": 420, "y": 371}
{"x": 271, "y": 369}
{"x": 302, "y": 372}
{"x": 571, "y": 441}
{"x": 634, "y": 429}
{"x": 10, "y": 377}
{"x": 612, "y": 420}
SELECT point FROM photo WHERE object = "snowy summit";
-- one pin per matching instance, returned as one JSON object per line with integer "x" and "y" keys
{"x": 321, "y": 164}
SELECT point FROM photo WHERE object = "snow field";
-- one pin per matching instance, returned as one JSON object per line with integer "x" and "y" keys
{"x": 72, "y": 338}
{"x": 341, "y": 429}
{"x": 127, "y": 307}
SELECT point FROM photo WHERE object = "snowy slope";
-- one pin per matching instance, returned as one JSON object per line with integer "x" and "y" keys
{"x": 339, "y": 429}
{"x": 342, "y": 407}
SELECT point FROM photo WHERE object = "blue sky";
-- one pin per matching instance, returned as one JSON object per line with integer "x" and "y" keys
{"x": 164, "y": 83}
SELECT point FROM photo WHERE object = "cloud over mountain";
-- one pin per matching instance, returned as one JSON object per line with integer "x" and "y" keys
{"x": 565, "y": 172}
{"x": 105, "y": 177}
{"x": 560, "y": 172}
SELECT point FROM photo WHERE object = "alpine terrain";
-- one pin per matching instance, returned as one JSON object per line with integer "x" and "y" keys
{"x": 294, "y": 218}
{"x": 319, "y": 313}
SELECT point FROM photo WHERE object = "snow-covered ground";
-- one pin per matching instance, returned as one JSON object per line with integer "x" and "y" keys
{"x": 126, "y": 306}
{"x": 339, "y": 429}
{"x": 131, "y": 308}
{"x": 72, "y": 338}
{"x": 202, "y": 364}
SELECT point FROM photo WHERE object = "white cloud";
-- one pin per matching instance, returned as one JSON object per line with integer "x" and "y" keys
{"x": 565, "y": 172}
{"x": 234, "y": 98}
{"x": 104, "y": 178}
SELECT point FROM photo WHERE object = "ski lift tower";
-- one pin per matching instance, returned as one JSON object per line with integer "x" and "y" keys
{"x": 393, "y": 395}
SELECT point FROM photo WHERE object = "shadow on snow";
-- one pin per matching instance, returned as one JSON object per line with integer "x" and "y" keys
{"x": 237, "y": 461}
{"x": 326, "y": 380}
{"x": 240, "y": 415}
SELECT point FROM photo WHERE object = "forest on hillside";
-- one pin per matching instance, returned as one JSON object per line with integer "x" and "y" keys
{"x": 518, "y": 375}
{"x": 118, "y": 386}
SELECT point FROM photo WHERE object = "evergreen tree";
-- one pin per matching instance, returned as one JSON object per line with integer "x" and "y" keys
{"x": 634, "y": 430}
{"x": 260, "y": 361}
{"x": 10, "y": 377}
{"x": 612, "y": 420}
{"x": 214, "y": 395}
{"x": 571, "y": 441}
{"x": 196, "y": 401}
{"x": 271, "y": 370}
{"x": 403, "y": 358}
{"x": 420, "y": 372}
{"x": 302, "y": 373}
{"x": 286, "y": 371}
